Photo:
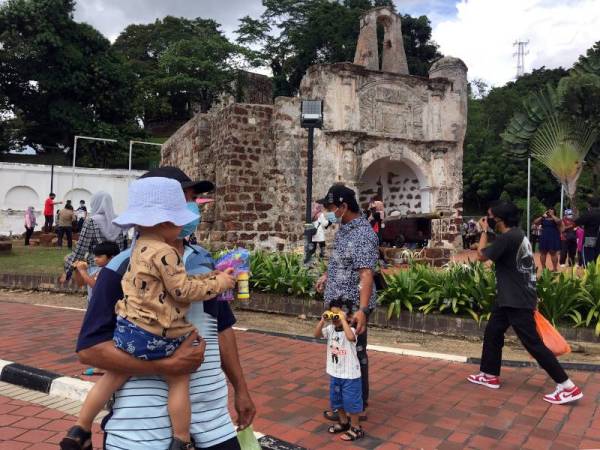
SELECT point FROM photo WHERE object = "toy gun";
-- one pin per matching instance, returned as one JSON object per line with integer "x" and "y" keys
{"x": 330, "y": 315}
{"x": 239, "y": 261}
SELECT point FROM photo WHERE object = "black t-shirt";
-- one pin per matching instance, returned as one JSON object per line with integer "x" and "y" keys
{"x": 590, "y": 222}
{"x": 515, "y": 270}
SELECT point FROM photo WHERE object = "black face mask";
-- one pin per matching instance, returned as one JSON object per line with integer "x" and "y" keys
{"x": 492, "y": 223}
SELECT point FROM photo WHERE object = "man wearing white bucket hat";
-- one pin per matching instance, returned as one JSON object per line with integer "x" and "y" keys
{"x": 141, "y": 421}
{"x": 151, "y": 321}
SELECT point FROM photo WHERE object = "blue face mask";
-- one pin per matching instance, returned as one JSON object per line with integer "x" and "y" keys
{"x": 190, "y": 227}
{"x": 331, "y": 217}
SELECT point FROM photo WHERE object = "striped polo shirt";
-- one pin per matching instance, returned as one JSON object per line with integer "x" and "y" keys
{"x": 139, "y": 419}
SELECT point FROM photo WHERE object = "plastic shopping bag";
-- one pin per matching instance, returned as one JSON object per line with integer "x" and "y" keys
{"x": 550, "y": 335}
{"x": 248, "y": 440}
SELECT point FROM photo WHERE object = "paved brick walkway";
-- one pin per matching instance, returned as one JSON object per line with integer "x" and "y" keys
{"x": 416, "y": 403}
{"x": 26, "y": 425}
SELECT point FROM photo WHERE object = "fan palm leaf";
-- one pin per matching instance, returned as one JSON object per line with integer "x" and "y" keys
{"x": 562, "y": 147}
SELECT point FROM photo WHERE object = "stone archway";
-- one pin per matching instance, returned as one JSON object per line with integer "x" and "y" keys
{"x": 21, "y": 197}
{"x": 400, "y": 187}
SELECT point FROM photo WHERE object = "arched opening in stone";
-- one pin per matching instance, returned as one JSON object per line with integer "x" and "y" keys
{"x": 21, "y": 197}
{"x": 383, "y": 38}
{"x": 76, "y": 195}
{"x": 396, "y": 184}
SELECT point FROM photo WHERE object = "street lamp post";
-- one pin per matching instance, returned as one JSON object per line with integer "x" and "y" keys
{"x": 131, "y": 150}
{"x": 89, "y": 138}
{"x": 311, "y": 117}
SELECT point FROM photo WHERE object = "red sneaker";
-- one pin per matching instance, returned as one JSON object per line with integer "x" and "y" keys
{"x": 561, "y": 395}
{"x": 485, "y": 380}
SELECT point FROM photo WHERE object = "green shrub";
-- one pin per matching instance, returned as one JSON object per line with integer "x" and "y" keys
{"x": 405, "y": 288}
{"x": 281, "y": 273}
{"x": 591, "y": 284}
{"x": 561, "y": 296}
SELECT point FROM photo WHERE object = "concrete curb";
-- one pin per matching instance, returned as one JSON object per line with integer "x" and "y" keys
{"x": 74, "y": 389}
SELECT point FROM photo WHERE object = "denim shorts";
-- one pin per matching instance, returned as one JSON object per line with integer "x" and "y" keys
{"x": 346, "y": 394}
{"x": 142, "y": 344}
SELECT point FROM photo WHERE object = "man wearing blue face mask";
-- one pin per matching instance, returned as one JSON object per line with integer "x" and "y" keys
{"x": 141, "y": 421}
{"x": 348, "y": 281}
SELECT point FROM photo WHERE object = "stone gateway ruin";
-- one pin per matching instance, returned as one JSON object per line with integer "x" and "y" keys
{"x": 385, "y": 132}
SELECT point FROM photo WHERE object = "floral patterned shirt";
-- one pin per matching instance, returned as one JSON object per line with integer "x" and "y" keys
{"x": 355, "y": 247}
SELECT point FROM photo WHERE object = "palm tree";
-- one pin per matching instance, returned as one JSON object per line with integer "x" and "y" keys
{"x": 562, "y": 146}
{"x": 560, "y": 143}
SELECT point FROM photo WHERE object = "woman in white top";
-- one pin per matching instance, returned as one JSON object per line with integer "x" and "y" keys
{"x": 318, "y": 240}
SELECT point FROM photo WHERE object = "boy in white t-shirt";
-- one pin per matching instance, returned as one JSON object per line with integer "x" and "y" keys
{"x": 343, "y": 367}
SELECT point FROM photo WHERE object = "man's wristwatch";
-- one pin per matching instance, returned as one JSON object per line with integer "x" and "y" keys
{"x": 366, "y": 310}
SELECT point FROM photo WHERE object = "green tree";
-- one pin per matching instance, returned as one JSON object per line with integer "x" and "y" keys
{"x": 290, "y": 36}
{"x": 487, "y": 172}
{"x": 60, "y": 77}
{"x": 179, "y": 63}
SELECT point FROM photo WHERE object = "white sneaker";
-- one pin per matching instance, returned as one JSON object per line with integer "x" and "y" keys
{"x": 561, "y": 395}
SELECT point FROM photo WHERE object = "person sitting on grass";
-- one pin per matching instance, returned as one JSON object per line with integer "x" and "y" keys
{"x": 157, "y": 294}
{"x": 345, "y": 387}
{"x": 103, "y": 253}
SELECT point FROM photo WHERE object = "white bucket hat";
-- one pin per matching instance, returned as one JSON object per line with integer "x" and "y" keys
{"x": 155, "y": 200}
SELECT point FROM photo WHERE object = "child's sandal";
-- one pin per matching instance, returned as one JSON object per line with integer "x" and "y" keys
{"x": 332, "y": 415}
{"x": 353, "y": 434}
{"x": 77, "y": 439}
{"x": 339, "y": 428}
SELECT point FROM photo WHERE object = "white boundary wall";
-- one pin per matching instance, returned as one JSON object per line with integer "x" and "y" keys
{"x": 23, "y": 185}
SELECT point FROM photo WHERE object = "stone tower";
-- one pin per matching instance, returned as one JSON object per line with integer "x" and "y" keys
{"x": 384, "y": 132}
{"x": 367, "y": 48}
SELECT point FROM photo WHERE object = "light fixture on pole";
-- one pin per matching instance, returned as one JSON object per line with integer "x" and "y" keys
{"x": 311, "y": 117}
{"x": 131, "y": 149}
{"x": 89, "y": 138}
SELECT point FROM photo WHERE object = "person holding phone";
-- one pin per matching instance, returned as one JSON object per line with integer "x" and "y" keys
{"x": 549, "y": 238}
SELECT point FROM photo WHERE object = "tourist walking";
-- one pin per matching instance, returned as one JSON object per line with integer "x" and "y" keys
{"x": 568, "y": 240}
{"x": 348, "y": 281}
{"x": 65, "y": 225}
{"x": 549, "y": 238}
{"x": 30, "y": 223}
{"x": 590, "y": 221}
{"x": 516, "y": 301}
{"x": 139, "y": 413}
{"x": 81, "y": 214}
{"x": 49, "y": 212}
{"x": 318, "y": 240}
{"x": 97, "y": 228}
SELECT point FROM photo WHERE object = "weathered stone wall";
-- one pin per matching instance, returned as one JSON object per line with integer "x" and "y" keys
{"x": 407, "y": 131}
{"x": 259, "y": 190}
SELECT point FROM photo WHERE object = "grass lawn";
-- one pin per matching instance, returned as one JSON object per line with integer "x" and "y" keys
{"x": 33, "y": 259}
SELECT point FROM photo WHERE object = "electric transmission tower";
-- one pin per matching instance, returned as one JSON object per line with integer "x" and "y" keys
{"x": 520, "y": 54}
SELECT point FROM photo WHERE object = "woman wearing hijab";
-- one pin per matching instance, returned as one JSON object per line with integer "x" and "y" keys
{"x": 30, "y": 224}
{"x": 97, "y": 228}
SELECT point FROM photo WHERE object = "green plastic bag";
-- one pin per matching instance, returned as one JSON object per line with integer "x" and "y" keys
{"x": 247, "y": 439}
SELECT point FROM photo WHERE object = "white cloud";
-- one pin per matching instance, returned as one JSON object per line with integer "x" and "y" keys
{"x": 483, "y": 31}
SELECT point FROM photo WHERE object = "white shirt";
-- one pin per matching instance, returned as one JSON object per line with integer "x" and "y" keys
{"x": 342, "y": 360}
{"x": 320, "y": 225}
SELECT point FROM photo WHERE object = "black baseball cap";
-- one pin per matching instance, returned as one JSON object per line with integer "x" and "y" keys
{"x": 338, "y": 194}
{"x": 175, "y": 173}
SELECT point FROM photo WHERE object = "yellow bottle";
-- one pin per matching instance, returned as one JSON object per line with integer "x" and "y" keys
{"x": 243, "y": 286}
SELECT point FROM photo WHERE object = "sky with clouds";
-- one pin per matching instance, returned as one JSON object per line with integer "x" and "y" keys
{"x": 481, "y": 32}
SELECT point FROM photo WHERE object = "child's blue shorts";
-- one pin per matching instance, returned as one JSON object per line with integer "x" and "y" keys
{"x": 142, "y": 344}
{"x": 346, "y": 394}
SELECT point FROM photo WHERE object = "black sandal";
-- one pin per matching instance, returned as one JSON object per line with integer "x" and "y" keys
{"x": 353, "y": 434}
{"x": 332, "y": 415}
{"x": 77, "y": 439}
{"x": 339, "y": 428}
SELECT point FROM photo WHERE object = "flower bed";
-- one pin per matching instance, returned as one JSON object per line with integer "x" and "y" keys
{"x": 569, "y": 298}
